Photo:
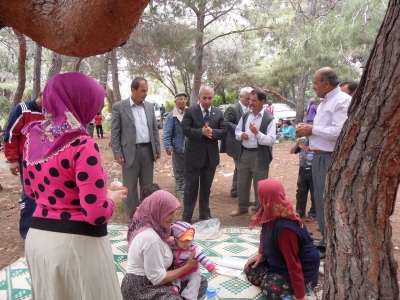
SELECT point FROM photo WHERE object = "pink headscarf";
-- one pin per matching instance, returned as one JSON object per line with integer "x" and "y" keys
{"x": 70, "y": 102}
{"x": 151, "y": 212}
{"x": 274, "y": 204}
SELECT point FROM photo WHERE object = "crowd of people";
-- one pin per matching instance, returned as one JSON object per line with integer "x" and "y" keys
{"x": 65, "y": 204}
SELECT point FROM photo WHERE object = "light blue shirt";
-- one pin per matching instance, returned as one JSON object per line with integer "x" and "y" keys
{"x": 142, "y": 130}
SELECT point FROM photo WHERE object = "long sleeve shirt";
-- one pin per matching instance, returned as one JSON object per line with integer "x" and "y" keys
{"x": 331, "y": 115}
{"x": 182, "y": 255}
{"x": 263, "y": 138}
{"x": 22, "y": 114}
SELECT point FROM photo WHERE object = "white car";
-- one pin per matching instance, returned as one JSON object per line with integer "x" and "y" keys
{"x": 283, "y": 111}
{"x": 157, "y": 112}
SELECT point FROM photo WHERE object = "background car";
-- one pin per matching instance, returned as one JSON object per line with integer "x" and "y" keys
{"x": 158, "y": 116}
{"x": 223, "y": 107}
{"x": 283, "y": 111}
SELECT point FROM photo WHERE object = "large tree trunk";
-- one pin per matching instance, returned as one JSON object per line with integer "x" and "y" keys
{"x": 37, "y": 67}
{"x": 115, "y": 79}
{"x": 74, "y": 27}
{"x": 56, "y": 64}
{"x": 364, "y": 177}
{"x": 199, "y": 50}
{"x": 303, "y": 81}
{"x": 21, "y": 68}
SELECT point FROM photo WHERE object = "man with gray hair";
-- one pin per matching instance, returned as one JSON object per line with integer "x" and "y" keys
{"x": 323, "y": 134}
{"x": 203, "y": 125}
{"x": 230, "y": 145}
{"x": 174, "y": 141}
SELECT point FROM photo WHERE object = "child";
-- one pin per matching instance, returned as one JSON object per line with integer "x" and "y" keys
{"x": 304, "y": 181}
{"x": 182, "y": 249}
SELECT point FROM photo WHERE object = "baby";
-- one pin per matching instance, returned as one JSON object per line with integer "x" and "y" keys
{"x": 182, "y": 249}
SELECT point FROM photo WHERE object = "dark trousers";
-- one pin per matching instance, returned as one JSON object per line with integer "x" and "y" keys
{"x": 27, "y": 206}
{"x": 234, "y": 179}
{"x": 193, "y": 177}
{"x": 99, "y": 130}
{"x": 305, "y": 184}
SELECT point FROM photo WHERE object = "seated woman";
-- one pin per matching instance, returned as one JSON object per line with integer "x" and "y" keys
{"x": 287, "y": 131}
{"x": 288, "y": 260}
{"x": 149, "y": 255}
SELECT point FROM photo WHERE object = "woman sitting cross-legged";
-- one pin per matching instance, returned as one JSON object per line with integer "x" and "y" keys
{"x": 149, "y": 255}
{"x": 288, "y": 260}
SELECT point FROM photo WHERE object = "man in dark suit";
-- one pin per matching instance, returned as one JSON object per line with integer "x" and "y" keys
{"x": 230, "y": 145}
{"x": 202, "y": 125}
{"x": 135, "y": 141}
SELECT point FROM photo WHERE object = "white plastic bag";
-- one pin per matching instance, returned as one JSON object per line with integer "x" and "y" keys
{"x": 207, "y": 229}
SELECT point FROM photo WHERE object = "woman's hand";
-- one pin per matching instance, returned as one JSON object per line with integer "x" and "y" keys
{"x": 116, "y": 196}
{"x": 255, "y": 259}
{"x": 191, "y": 262}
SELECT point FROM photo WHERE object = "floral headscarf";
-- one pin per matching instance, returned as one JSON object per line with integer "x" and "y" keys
{"x": 273, "y": 203}
{"x": 70, "y": 102}
{"x": 151, "y": 212}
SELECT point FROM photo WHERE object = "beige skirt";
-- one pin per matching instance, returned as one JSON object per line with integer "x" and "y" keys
{"x": 71, "y": 267}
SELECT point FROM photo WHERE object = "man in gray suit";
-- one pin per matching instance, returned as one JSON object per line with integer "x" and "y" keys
{"x": 134, "y": 140}
{"x": 230, "y": 145}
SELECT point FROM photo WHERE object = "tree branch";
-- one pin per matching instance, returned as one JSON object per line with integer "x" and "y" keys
{"x": 270, "y": 92}
{"x": 218, "y": 16}
{"x": 236, "y": 31}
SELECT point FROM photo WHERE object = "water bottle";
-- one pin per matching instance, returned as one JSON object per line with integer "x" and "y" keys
{"x": 116, "y": 185}
{"x": 211, "y": 294}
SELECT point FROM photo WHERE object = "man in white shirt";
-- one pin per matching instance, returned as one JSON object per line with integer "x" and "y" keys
{"x": 328, "y": 123}
{"x": 135, "y": 141}
{"x": 256, "y": 131}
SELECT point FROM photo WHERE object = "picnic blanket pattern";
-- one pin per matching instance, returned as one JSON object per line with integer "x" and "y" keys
{"x": 234, "y": 241}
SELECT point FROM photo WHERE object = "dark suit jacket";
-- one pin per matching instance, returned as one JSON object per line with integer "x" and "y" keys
{"x": 197, "y": 145}
{"x": 230, "y": 145}
{"x": 123, "y": 131}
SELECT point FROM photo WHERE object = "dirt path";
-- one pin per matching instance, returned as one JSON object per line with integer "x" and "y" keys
{"x": 283, "y": 168}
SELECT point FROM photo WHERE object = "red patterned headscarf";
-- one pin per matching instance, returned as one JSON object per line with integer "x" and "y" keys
{"x": 273, "y": 203}
{"x": 151, "y": 212}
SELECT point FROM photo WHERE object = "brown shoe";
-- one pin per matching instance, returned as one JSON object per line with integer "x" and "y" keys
{"x": 237, "y": 212}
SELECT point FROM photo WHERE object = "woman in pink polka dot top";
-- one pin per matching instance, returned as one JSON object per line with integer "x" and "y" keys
{"x": 67, "y": 248}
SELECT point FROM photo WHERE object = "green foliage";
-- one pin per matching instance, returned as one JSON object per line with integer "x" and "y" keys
{"x": 230, "y": 99}
{"x": 169, "y": 105}
{"x": 5, "y": 108}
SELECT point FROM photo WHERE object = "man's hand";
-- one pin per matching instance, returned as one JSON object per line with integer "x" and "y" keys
{"x": 253, "y": 128}
{"x": 158, "y": 156}
{"x": 14, "y": 168}
{"x": 244, "y": 136}
{"x": 169, "y": 151}
{"x": 207, "y": 131}
{"x": 304, "y": 129}
{"x": 120, "y": 160}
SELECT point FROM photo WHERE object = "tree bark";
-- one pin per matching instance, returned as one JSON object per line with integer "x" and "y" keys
{"x": 115, "y": 79}
{"x": 75, "y": 27}
{"x": 37, "y": 68}
{"x": 303, "y": 81}
{"x": 21, "y": 68}
{"x": 104, "y": 71}
{"x": 56, "y": 64}
{"x": 363, "y": 179}
{"x": 199, "y": 50}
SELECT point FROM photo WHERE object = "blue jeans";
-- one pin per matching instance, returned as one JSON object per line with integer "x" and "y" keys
{"x": 27, "y": 206}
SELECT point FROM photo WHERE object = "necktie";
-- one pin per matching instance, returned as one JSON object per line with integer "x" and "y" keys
{"x": 207, "y": 117}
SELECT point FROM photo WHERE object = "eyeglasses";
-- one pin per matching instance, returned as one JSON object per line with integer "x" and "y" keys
{"x": 181, "y": 99}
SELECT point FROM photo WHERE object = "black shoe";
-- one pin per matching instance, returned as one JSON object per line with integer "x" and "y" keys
{"x": 206, "y": 218}
{"x": 252, "y": 203}
{"x": 234, "y": 195}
